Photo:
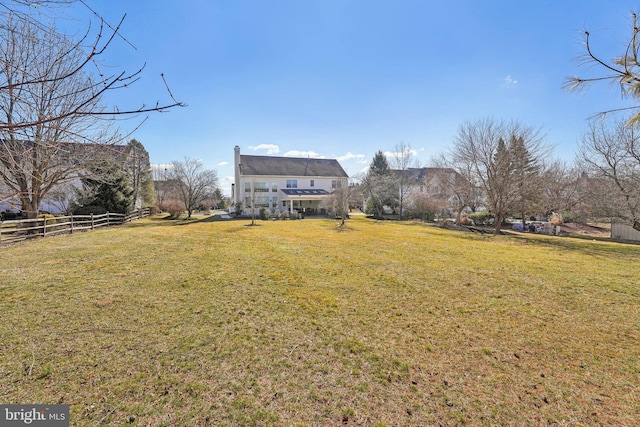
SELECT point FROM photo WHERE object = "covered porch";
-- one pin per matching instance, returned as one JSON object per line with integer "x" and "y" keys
{"x": 305, "y": 201}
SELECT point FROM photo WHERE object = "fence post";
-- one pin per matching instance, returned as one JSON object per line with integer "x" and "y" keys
{"x": 108, "y": 219}
{"x": 91, "y": 221}
{"x": 44, "y": 226}
{"x": 71, "y": 221}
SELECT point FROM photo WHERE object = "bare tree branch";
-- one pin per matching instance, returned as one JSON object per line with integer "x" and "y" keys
{"x": 625, "y": 70}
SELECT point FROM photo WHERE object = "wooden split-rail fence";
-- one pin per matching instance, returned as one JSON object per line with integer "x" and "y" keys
{"x": 12, "y": 231}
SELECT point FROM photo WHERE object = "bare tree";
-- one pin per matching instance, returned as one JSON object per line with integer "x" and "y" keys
{"x": 339, "y": 202}
{"x": 563, "y": 188}
{"x": 165, "y": 189}
{"x": 458, "y": 184}
{"x": 612, "y": 153}
{"x": 488, "y": 150}
{"x": 623, "y": 70}
{"x": 195, "y": 183}
{"x": 403, "y": 160}
{"x": 424, "y": 206}
{"x": 53, "y": 122}
{"x": 81, "y": 59}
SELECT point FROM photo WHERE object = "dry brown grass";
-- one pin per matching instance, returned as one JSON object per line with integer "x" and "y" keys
{"x": 295, "y": 323}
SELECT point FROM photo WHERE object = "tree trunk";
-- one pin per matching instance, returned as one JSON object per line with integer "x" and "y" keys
{"x": 29, "y": 208}
{"x": 499, "y": 219}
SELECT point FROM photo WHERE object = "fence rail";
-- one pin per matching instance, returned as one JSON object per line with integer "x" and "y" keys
{"x": 22, "y": 229}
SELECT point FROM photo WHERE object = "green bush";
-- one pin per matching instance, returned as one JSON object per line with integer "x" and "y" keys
{"x": 265, "y": 213}
{"x": 89, "y": 209}
{"x": 482, "y": 217}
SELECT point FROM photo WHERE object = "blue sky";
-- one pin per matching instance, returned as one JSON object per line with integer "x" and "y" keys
{"x": 345, "y": 78}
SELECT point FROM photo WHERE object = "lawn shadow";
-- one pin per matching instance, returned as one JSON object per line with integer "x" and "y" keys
{"x": 586, "y": 245}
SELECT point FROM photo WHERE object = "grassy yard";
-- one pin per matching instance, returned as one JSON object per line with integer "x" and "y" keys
{"x": 162, "y": 323}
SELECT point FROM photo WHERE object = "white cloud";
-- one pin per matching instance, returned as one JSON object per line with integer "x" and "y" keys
{"x": 298, "y": 153}
{"x": 228, "y": 179}
{"x": 271, "y": 148}
{"x": 223, "y": 163}
{"x": 349, "y": 156}
{"x": 510, "y": 81}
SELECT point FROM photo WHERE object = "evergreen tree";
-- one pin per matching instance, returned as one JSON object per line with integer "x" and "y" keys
{"x": 499, "y": 182}
{"x": 113, "y": 193}
{"x": 138, "y": 169}
{"x": 379, "y": 186}
{"x": 379, "y": 164}
{"x": 526, "y": 173}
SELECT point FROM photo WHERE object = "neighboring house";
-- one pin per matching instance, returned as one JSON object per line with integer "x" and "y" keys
{"x": 437, "y": 183}
{"x": 58, "y": 200}
{"x": 431, "y": 181}
{"x": 285, "y": 183}
{"x": 61, "y": 197}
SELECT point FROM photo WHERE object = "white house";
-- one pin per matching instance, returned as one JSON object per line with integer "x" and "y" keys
{"x": 285, "y": 183}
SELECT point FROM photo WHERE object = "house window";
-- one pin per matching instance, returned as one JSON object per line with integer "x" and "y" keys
{"x": 261, "y": 187}
{"x": 336, "y": 183}
{"x": 292, "y": 183}
{"x": 274, "y": 187}
{"x": 247, "y": 187}
{"x": 312, "y": 183}
{"x": 274, "y": 202}
{"x": 262, "y": 202}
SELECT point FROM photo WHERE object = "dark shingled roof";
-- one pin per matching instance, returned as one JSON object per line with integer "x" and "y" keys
{"x": 417, "y": 175}
{"x": 290, "y": 166}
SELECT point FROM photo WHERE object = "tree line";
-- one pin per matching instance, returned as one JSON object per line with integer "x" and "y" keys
{"x": 508, "y": 169}
{"x": 56, "y": 128}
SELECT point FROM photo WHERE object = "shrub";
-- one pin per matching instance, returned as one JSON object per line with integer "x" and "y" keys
{"x": 482, "y": 217}
{"x": 173, "y": 207}
{"x": 422, "y": 207}
{"x": 465, "y": 220}
{"x": 89, "y": 209}
{"x": 572, "y": 216}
